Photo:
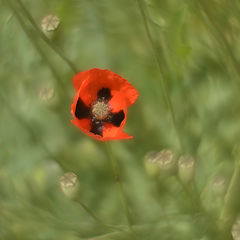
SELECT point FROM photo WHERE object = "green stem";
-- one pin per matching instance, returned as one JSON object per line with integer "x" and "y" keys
{"x": 41, "y": 34}
{"x": 231, "y": 206}
{"x": 40, "y": 51}
{"x": 89, "y": 211}
{"x": 163, "y": 82}
{"x": 220, "y": 36}
{"x": 118, "y": 180}
{"x": 36, "y": 138}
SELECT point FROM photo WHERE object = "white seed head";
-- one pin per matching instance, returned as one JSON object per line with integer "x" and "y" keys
{"x": 69, "y": 179}
{"x": 150, "y": 163}
{"x": 166, "y": 159}
{"x": 46, "y": 93}
{"x": 68, "y": 184}
{"x": 186, "y": 168}
{"x": 219, "y": 185}
{"x": 236, "y": 229}
{"x": 100, "y": 110}
{"x": 50, "y": 23}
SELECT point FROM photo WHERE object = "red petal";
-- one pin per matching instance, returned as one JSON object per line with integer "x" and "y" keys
{"x": 84, "y": 124}
{"x": 79, "y": 78}
{"x": 111, "y": 132}
{"x": 87, "y": 85}
{"x": 93, "y": 80}
{"x": 117, "y": 102}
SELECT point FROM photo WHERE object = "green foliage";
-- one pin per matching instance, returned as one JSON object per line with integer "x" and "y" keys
{"x": 196, "y": 45}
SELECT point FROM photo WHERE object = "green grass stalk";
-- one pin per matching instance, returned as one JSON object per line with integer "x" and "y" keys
{"x": 36, "y": 138}
{"x": 118, "y": 180}
{"x": 36, "y": 45}
{"x": 231, "y": 205}
{"x": 162, "y": 79}
{"x": 42, "y": 35}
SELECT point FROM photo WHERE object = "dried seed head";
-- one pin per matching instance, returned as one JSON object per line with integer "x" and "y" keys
{"x": 166, "y": 161}
{"x": 150, "y": 163}
{"x": 186, "y": 168}
{"x": 100, "y": 110}
{"x": 46, "y": 93}
{"x": 219, "y": 185}
{"x": 50, "y": 23}
{"x": 68, "y": 183}
{"x": 236, "y": 229}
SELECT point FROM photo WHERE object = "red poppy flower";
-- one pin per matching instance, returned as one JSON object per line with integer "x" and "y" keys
{"x": 100, "y": 105}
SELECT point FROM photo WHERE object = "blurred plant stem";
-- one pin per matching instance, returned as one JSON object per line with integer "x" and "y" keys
{"x": 192, "y": 194}
{"x": 43, "y": 36}
{"x": 118, "y": 180}
{"x": 89, "y": 211}
{"x": 231, "y": 205}
{"x": 28, "y": 128}
{"x": 162, "y": 77}
{"x": 39, "y": 50}
{"x": 36, "y": 138}
{"x": 219, "y": 36}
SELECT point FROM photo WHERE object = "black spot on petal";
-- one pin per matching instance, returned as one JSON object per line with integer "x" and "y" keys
{"x": 82, "y": 111}
{"x": 116, "y": 118}
{"x": 97, "y": 127}
{"x": 104, "y": 94}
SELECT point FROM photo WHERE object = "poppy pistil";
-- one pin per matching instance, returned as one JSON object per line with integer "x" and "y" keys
{"x": 100, "y": 110}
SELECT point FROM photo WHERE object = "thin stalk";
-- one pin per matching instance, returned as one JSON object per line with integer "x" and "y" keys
{"x": 41, "y": 34}
{"x": 231, "y": 205}
{"x": 90, "y": 212}
{"x": 164, "y": 85}
{"x": 41, "y": 143}
{"x": 220, "y": 36}
{"x": 39, "y": 50}
{"x": 29, "y": 128}
{"x": 118, "y": 180}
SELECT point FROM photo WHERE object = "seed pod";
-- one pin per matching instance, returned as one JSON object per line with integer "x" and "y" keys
{"x": 46, "y": 94}
{"x": 150, "y": 163}
{"x": 50, "y": 23}
{"x": 219, "y": 185}
{"x": 69, "y": 184}
{"x": 236, "y": 229}
{"x": 166, "y": 161}
{"x": 186, "y": 168}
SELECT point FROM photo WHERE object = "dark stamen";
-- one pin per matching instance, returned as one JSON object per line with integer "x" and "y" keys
{"x": 116, "y": 118}
{"x": 104, "y": 94}
{"x": 97, "y": 127}
{"x": 82, "y": 111}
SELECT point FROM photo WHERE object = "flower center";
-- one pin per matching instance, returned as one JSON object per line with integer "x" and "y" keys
{"x": 100, "y": 110}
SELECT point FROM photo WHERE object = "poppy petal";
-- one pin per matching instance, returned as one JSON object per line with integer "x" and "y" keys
{"x": 81, "y": 111}
{"x": 117, "y": 102}
{"x": 79, "y": 78}
{"x": 116, "y": 118}
{"x": 96, "y": 79}
{"x": 113, "y": 132}
{"x": 97, "y": 128}
{"x": 104, "y": 94}
{"x": 103, "y": 85}
{"x": 123, "y": 135}
{"x": 83, "y": 124}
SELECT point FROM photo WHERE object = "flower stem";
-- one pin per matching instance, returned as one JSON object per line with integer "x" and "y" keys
{"x": 41, "y": 34}
{"x": 36, "y": 138}
{"x": 231, "y": 204}
{"x": 118, "y": 180}
{"x": 217, "y": 33}
{"x": 163, "y": 82}
{"x": 39, "y": 50}
{"x": 89, "y": 211}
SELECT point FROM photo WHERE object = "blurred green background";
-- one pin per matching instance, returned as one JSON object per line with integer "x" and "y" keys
{"x": 192, "y": 47}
